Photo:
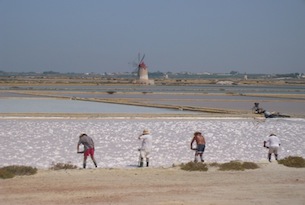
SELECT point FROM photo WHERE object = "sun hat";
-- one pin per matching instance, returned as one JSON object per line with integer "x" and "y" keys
{"x": 146, "y": 132}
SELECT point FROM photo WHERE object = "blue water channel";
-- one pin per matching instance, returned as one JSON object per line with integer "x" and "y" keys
{"x": 47, "y": 105}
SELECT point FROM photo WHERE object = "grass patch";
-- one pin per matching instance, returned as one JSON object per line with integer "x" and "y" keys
{"x": 4, "y": 174}
{"x": 59, "y": 166}
{"x": 237, "y": 166}
{"x": 233, "y": 165}
{"x": 229, "y": 166}
{"x": 250, "y": 165}
{"x": 12, "y": 171}
{"x": 193, "y": 166}
{"x": 293, "y": 161}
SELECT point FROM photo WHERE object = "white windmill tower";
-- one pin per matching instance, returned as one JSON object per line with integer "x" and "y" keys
{"x": 142, "y": 70}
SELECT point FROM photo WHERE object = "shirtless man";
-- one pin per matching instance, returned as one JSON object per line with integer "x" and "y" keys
{"x": 200, "y": 142}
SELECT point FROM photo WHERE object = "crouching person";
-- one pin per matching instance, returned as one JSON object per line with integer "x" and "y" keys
{"x": 146, "y": 146}
{"x": 200, "y": 142}
{"x": 273, "y": 143}
{"x": 88, "y": 143}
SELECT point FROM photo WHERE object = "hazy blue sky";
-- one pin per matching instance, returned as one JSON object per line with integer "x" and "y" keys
{"x": 249, "y": 36}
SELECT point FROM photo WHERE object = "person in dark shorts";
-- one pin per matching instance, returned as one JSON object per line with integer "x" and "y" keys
{"x": 200, "y": 142}
{"x": 273, "y": 143}
{"x": 88, "y": 143}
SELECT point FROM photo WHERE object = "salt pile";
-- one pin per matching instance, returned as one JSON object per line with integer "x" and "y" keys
{"x": 41, "y": 142}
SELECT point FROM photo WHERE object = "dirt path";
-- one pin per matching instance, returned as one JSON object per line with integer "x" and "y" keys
{"x": 271, "y": 184}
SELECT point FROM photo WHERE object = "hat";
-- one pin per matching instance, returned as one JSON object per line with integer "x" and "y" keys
{"x": 146, "y": 132}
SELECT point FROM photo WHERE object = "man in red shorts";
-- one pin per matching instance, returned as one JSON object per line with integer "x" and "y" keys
{"x": 88, "y": 143}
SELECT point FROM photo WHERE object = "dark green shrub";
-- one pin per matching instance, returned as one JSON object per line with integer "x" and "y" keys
{"x": 193, "y": 166}
{"x": 293, "y": 161}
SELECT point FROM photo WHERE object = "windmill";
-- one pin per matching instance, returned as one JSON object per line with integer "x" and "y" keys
{"x": 141, "y": 68}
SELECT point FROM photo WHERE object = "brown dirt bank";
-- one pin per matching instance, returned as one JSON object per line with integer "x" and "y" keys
{"x": 271, "y": 184}
{"x": 70, "y": 80}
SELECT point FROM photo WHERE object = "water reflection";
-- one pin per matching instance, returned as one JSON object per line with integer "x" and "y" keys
{"x": 47, "y": 105}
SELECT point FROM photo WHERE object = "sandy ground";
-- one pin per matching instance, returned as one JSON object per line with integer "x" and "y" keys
{"x": 270, "y": 184}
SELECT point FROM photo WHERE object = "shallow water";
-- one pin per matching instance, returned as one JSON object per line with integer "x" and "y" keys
{"x": 48, "y": 105}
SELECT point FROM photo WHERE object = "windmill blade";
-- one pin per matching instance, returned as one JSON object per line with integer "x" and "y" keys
{"x": 142, "y": 58}
{"x": 139, "y": 57}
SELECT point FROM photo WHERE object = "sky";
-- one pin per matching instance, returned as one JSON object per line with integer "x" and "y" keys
{"x": 218, "y": 36}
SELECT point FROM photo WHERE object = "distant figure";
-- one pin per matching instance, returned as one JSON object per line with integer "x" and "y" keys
{"x": 146, "y": 146}
{"x": 268, "y": 114}
{"x": 273, "y": 114}
{"x": 256, "y": 109}
{"x": 88, "y": 148}
{"x": 200, "y": 145}
{"x": 272, "y": 143}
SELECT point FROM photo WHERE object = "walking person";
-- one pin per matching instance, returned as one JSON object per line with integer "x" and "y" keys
{"x": 89, "y": 149}
{"x": 146, "y": 146}
{"x": 272, "y": 143}
{"x": 200, "y": 145}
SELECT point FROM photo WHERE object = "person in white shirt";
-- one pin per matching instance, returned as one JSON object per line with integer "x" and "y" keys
{"x": 146, "y": 146}
{"x": 272, "y": 143}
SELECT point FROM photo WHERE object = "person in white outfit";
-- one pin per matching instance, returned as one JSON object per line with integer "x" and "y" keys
{"x": 272, "y": 143}
{"x": 146, "y": 146}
